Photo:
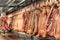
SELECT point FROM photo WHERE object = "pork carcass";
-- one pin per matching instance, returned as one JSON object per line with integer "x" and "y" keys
{"x": 4, "y": 24}
{"x": 42, "y": 25}
{"x": 36, "y": 20}
{"x": 53, "y": 23}
{"x": 18, "y": 23}
{"x": 30, "y": 23}
{"x": 57, "y": 34}
{"x": 26, "y": 19}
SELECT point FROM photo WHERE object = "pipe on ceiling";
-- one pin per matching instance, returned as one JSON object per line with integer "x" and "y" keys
{"x": 9, "y": 4}
{"x": 13, "y": 2}
{"x": 21, "y": 2}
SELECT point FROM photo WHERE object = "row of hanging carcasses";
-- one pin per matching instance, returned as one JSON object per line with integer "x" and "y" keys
{"x": 35, "y": 22}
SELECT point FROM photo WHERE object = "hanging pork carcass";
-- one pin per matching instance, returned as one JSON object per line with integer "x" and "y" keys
{"x": 57, "y": 34}
{"x": 36, "y": 13}
{"x": 53, "y": 22}
{"x": 43, "y": 16}
{"x": 4, "y": 24}
{"x": 18, "y": 23}
{"x": 26, "y": 20}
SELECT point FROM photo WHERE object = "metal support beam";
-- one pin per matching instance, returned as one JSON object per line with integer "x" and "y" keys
{"x": 9, "y": 5}
{"x": 8, "y": 2}
{"x": 21, "y": 2}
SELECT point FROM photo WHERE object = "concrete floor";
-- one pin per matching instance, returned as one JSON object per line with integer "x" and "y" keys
{"x": 9, "y": 37}
{"x": 13, "y": 36}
